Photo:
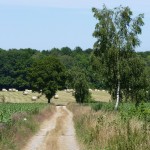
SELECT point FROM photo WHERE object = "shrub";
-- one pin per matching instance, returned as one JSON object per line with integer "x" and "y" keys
{"x": 82, "y": 93}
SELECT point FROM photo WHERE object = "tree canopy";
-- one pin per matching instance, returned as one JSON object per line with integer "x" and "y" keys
{"x": 117, "y": 37}
{"x": 15, "y": 64}
{"x": 47, "y": 75}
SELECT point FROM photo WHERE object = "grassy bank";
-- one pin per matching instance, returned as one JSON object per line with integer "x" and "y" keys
{"x": 109, "y": 130}
{"x": 14, "y": 133}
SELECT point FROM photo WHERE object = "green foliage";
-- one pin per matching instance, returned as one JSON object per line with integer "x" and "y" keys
{"x": 46, "y": 76}
{"x": 126, "y": 110}
{"x": 19, "y": 123}
{"x": 8, "y": 109}
{"x": 82, "y": 94}
{"x": 66, "y": 51}
{"x": 102, "y": 106}
{"x": 117, "y": 37}
{"x": 15, "y": 64}
{"x": 105, "y": 130}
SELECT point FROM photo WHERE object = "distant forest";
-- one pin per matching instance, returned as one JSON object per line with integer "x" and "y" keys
{"x": 15, "y": 64}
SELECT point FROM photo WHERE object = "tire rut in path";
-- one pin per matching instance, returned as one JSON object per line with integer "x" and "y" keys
{"x": 58, "y": 133}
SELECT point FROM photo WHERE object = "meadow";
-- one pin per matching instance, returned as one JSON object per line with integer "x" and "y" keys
{"x": 18, "y": 97}
{"x": 64, "y": 97}
{"x": 16, "y": 102}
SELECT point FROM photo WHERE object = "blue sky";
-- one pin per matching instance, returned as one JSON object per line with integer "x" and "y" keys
{"x": 44, "y": 24}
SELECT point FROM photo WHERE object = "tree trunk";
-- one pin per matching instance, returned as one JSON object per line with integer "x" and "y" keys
{"x": 49, "y": 100}
{"x": 118, "y": 96}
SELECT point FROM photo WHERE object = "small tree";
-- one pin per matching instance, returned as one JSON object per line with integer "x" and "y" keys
{"x": 81, "y": 89}
{"x": 47, "y": 76}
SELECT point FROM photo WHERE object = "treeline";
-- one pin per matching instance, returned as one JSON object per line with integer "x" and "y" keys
{"x": 15, "y": 64}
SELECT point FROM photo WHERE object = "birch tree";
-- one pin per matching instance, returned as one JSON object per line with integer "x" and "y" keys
{"x": 117, "y": 37}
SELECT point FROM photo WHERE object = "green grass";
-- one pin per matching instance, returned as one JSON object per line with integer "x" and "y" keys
{"x": 8, "y": 109}
{"x": 126, "y": 110}
{"x": 110, "y": 130}
{"x": 19, "y": 121}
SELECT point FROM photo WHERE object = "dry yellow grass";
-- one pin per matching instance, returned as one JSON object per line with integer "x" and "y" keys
{"x": 64, "y": 97}
{"x": 100, "y": 130}
{"x": 103, "y": 96}
{"x": 18, "y": 97}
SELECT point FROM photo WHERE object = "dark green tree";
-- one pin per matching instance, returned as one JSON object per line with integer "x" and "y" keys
{"x": 46, "y": 76}
{"x": 117, "y": 37}
{"x": 78, "y": 50}
{"x": 55, "y": 52}
{"x": 66, "y": 51}
{"x": 82, "y": 94}
{"x": 13, "y": 68}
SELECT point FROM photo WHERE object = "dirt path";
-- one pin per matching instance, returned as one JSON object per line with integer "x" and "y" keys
{"x": 58, "y": 133}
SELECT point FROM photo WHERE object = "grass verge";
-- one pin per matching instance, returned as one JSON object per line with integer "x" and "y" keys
{"x": 15, "y": 133}
{"x": 108, "y": 130}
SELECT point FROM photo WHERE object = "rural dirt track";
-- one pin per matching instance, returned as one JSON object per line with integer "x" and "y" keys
{"x": 58, "y": 133}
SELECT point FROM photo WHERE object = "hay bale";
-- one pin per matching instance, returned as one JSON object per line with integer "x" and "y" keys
{"x": 90, "y": 90}
{"x": 10, "y": 90}
{"x": 69, "y": 90}
{"x": 13, "y": 90}
{"x": 34, "y": 98}
{"x": 29, "y": 91}
{"x": 56, "y": 96}
{"x": 25, "y": 93}
{"x": 4, "y": 90}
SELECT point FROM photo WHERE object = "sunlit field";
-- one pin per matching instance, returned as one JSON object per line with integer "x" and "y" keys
{"x": 63, "y": 97}
{"x": 101, "y": 95}
{"x": 66, "y": 97}
{"x": 18, "y": 97}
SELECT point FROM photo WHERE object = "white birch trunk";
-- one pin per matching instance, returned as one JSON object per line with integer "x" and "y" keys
{"x": 118, "y": 96}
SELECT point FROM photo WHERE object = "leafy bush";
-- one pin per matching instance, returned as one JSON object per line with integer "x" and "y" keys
{"x": 102, "y": 106}
{"x": 82, "y": 94}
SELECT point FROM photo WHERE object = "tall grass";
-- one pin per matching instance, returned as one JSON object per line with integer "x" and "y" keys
{"x": 15, "y": 133}
{"x": 109, "y": 130}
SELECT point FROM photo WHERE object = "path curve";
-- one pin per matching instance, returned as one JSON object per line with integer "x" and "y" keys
{"x": 58, "y": 133}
